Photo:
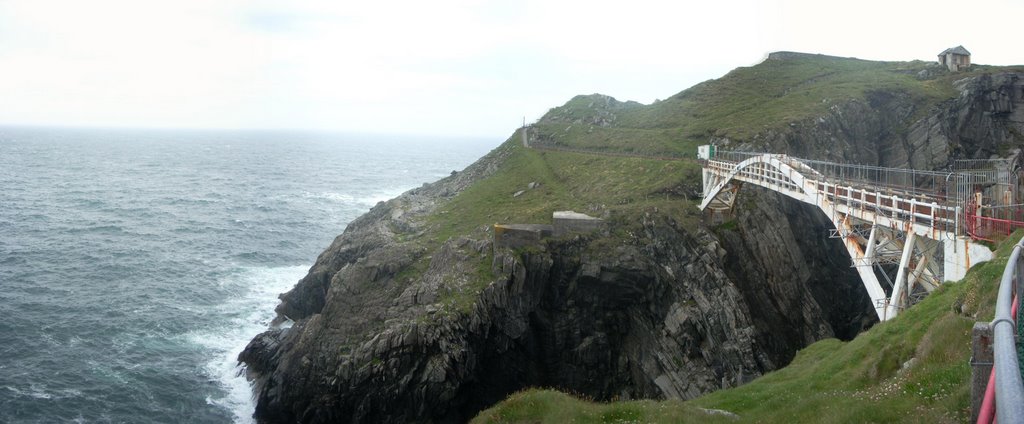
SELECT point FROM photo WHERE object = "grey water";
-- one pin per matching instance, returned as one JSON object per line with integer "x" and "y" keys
{"x": 136, "y": 264}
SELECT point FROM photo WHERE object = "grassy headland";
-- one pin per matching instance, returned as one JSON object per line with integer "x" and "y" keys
{"x": 744, "y": 102}
{"x": 913, "y": 368}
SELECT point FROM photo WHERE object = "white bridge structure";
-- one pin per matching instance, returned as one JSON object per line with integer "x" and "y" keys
{"x": 890, "y": 220}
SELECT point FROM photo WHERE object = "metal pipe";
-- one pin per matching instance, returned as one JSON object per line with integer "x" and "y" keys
{"x": 956, "y": 223}
{"x": 1009, "y": 386}
{"x": 988, "y": 408}
{"x": 955, "y": 230}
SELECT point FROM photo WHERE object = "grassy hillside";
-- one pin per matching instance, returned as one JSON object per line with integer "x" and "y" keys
{"x": 742, "y": 103}
{"x": 913, "y": 368}
{"x": 577, "y": 181}
{"x": 615, "y": 188}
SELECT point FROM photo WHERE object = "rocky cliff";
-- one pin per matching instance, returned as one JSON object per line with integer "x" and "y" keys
{"x": 888, "y": 128}
{"x": 650, "y": 308}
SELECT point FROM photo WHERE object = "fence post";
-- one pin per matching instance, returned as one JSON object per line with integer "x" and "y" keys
{"x": 981, "y": 364}
{"x": 1018, "y": 285}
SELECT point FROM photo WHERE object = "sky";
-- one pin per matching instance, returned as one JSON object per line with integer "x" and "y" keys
{"x": 440, "y": 67}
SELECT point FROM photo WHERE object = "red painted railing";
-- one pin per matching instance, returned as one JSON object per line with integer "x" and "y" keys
{"x": 988, "y": 228}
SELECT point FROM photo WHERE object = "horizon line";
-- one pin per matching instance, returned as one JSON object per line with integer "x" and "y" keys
{"x": 337, "y": 131}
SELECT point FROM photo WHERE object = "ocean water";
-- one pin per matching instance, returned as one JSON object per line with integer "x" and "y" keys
{"x": 135, "y": 265}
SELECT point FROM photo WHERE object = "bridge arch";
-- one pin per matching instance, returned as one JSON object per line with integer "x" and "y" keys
{"x": 766, "y": 170}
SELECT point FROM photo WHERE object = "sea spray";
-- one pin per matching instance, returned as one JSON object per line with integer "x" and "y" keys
{"x": 244, "y": 315}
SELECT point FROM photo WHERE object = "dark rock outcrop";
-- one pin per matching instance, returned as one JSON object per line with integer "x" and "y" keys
{"x": 655, "y": 317}
{"x": 878, "y": 130}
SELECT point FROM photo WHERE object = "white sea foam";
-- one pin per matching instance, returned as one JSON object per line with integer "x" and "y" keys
{"x": 245, "y": 314}
{"x": 337, "y": 197}
{"x": 379, "y": 196}
{"x": 39, "y": 391}
{"x": 367, "y": 199}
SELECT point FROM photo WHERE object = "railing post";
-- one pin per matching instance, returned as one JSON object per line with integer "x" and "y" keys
{"x": 913, "y": 211}
{"x": 1018, "y": 286}
{"x": 981, "y": 364}
{"x": 956, "y": 221}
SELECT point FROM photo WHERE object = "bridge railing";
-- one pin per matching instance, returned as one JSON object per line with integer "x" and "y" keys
{"x": 907, "y": 182}
{"x": 904, "y": 194}
{"x": 999, "y": 221}
{"x": 946, "y": 195}
{"x": 1006, "y": 386}
{"x": 921, "y": 210}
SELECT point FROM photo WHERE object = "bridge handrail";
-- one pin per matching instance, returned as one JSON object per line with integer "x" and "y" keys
{"x": 930, "y": 211}
{"x": 915, "y": 181}
{"x": 891, "y": 188}
{"x": 738, "y": 156}
{"x": 847, "y": 195}
{"x": 986, "y": 228}
{"x": 1009, "y": 385}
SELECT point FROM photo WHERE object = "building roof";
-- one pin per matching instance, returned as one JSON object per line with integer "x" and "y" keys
{"x": 956, "y": 50}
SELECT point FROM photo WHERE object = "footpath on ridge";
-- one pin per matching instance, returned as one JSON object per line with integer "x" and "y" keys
{"x": 549, "y": 147}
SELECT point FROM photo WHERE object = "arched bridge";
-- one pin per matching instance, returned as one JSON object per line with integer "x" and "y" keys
{"x": 910, "y": 223}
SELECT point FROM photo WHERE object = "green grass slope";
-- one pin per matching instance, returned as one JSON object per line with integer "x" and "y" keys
{"x": 913, "y": 368}
{"x": 744, "y": 102}
{"x": 613, "y": 187}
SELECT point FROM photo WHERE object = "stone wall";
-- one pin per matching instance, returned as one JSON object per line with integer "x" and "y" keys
{"x": 514, "y": 236}
{"x": 567, "y": 222}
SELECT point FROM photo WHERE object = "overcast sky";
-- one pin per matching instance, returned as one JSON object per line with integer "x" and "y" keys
{"x": 438, "y": 67}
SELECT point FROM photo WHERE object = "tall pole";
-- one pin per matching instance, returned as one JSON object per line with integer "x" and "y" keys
{"x": 526, "y": 139}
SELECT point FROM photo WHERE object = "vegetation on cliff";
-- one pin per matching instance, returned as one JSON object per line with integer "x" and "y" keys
{"x": 914, "y": 368}
{"x": 615, "y": 188}
{"x": 743, "y": 103}
{"x": 411, "y": 316}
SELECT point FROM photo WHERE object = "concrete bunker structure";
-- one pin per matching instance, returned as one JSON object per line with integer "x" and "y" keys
{"x": 563, "y": 223}
{"x": 569, "y": 222}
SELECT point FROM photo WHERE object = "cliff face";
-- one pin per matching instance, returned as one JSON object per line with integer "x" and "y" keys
{"x": 659, "y": 313}
{"x": 880, "y": 129}
{"x": 658, "y": 317}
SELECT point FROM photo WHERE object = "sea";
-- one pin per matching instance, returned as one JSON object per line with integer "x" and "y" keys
{"x": 136, "y": 264}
